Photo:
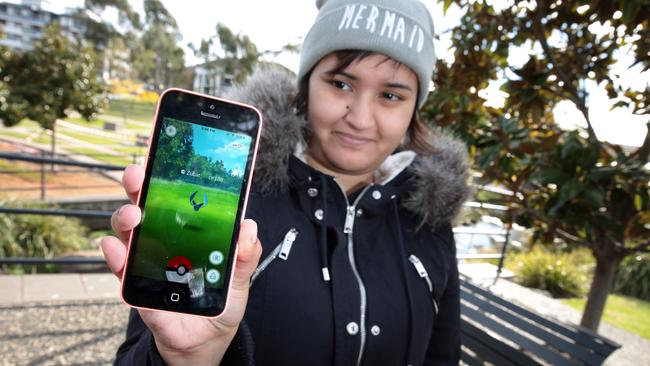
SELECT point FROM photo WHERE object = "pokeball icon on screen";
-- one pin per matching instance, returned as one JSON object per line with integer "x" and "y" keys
{"x": 178, "y": 269}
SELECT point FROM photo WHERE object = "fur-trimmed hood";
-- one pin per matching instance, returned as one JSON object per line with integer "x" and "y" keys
{"x": 439, "y": 183}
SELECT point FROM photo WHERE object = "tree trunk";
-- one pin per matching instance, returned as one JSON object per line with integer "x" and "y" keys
{"x": 53, "y": 152}
{"x": 606, "y": 266}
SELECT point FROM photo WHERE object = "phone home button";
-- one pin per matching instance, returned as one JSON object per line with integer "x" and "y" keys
{"x": 175, "y": 297}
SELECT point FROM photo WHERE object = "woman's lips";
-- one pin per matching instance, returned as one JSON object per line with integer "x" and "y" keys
{"x": 354, "y": 140}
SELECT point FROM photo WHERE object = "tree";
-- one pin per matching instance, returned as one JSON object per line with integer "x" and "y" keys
{"x": 103, "y": 35}
{"x": 116, "y": 59}
{"x": 47, "y": 83}
{"x": 569, "y": 186}
{"x": 235, "y": 53}
{"x": 158, "y": 59}
{"x": 6, "y": 110}
{"x": 99, "y": 32}
{"x": 174, "y": 150}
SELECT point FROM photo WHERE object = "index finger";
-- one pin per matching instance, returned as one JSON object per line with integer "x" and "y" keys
{"x": 132, "y": 181}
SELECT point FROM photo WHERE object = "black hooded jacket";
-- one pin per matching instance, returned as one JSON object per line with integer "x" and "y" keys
{"x": 365, "y": 279}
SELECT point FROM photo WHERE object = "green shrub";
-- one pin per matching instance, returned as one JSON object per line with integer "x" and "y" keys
{"x": 40, "y": 236}
{"x": 555, "y": 272}
{"x": 633, "y": 277}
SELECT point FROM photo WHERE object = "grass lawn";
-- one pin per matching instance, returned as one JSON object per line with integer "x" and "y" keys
{"x": 98, "y": 140}
{"x": 122, "y": 160}
{"x": 94, "y": 123}
{"x": 624, "y": 312}
{"x": 99, "y": 125}
{"x": 47, "y": 140}
{"x": 138, "y": 128}
{"x": 139, "y": 111}
{"x": 130, "y": 150}
{"x": 171, "y": 227}
{"x": 14, "y": 134}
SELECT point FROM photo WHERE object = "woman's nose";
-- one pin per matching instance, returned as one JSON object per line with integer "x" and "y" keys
{"x": 359, "y": 114}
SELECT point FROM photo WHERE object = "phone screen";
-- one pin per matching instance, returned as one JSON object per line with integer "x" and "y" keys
{"x": 192, "y": 205}
{"x": 180, "y": 254}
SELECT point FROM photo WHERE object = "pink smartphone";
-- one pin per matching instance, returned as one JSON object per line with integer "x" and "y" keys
{"x": 198, "y": 173}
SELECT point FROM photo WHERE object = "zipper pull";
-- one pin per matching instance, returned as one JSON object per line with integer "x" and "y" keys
{"x": 349, "y": 220}
{"x": 418, "y": 266}
{"x": 423, "y": 274}
{"x": 289, "y": 238}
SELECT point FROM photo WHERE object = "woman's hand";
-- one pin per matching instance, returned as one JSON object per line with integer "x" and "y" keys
{"x": 179, "y": 337}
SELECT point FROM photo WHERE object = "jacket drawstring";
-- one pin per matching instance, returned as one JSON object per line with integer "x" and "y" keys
{"x": 404, "y": 265}
{"x": 324, "y": 258}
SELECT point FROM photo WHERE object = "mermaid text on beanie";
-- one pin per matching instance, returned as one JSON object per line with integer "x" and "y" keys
{"x": 386, "y": 23}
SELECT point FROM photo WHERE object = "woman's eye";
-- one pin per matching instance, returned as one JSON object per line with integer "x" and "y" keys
{"x": 340, "y": 84}
{"x": 391, "y": 96}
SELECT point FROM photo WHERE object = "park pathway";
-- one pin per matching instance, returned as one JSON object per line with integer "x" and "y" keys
{"x": 67, "y": 319}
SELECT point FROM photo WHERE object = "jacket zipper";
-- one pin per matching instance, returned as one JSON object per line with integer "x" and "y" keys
{"x": 419, "y": 267}
{"x": 281, "y": 250}
{"x": 348, "y": 229}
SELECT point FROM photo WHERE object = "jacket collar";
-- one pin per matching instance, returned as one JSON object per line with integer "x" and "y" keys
{"x": 437, "y": 184}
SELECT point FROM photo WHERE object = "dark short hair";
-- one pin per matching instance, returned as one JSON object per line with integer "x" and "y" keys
{"x": 418, "y": 133}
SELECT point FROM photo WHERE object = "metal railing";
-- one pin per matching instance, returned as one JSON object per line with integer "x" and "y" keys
{"x": 43, "y": 160}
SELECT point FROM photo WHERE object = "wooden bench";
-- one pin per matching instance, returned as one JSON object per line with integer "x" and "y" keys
{"x": 495, "y": 331}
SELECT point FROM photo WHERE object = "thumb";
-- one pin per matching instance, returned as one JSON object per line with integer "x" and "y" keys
{"x": 248, "y": 255}
{"x": 249, "y": 251}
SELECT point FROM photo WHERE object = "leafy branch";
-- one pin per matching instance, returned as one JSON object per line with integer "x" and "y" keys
{"x": 575, "y": 96}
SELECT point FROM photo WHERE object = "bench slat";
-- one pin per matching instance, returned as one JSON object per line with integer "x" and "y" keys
{"x": 574, "y": 350}
{"x": 524, "y": 342}
{"x": 490, "y": 349}
{"x": 469, "y": 360}
{"x": 590, "y": 340}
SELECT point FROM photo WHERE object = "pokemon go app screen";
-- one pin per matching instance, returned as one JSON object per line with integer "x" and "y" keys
{"x": 191, "y": 205}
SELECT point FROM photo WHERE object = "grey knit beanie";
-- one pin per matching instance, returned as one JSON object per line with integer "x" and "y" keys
{"x": 399, "y": 29}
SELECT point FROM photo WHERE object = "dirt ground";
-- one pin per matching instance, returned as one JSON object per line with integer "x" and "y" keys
{"x": 22, "y": 180}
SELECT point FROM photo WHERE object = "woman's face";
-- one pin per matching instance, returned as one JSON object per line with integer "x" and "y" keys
{"x": 360, "y": 115}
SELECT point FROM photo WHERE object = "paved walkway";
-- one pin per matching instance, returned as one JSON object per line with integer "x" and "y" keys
{"x": 68, "y": 319}
{"x": 54, "y": 287}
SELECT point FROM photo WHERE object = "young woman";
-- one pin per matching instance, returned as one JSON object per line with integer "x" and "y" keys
{"x": 364, "y": 191}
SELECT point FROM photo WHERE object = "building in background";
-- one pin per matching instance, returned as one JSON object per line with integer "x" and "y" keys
{"x": 23, "y": 23}
{"x": 210, "y": 79}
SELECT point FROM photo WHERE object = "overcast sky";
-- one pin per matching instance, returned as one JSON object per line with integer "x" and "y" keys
{"x": 272, "y": 24}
